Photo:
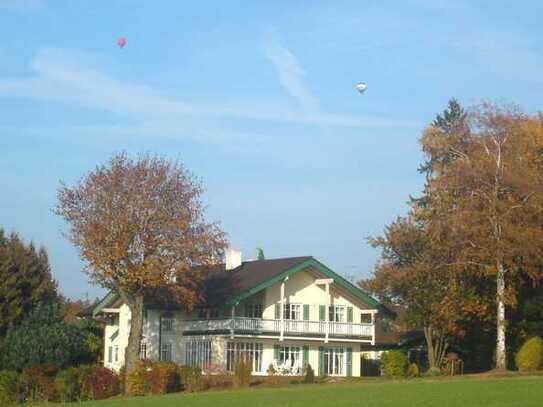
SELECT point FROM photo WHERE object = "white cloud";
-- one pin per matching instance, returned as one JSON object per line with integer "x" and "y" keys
{"x": 291, "y": 74}
{"x": 68, "y": 77}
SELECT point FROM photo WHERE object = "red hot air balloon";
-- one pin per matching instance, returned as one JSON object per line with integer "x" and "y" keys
{"x": 121, "y": 42}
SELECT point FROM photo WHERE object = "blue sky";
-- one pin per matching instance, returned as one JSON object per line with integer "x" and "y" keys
{"x": 257, "y": 99}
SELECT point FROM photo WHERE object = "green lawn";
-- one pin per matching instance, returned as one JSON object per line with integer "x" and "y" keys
{"x": 468, "y": 392}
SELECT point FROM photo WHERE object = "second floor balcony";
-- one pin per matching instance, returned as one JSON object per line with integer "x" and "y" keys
{"x": 281, "y": 328}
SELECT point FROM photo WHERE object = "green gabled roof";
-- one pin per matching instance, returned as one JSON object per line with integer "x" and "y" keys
{"x": 227, "y": 288}
{"x": 305, "y": 263}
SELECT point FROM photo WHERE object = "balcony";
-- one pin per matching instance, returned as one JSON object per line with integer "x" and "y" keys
{"x": 276, "y": 327}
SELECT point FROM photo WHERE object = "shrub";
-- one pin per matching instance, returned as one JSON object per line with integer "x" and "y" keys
{"x": 162, "y": 378}
{"x": 530, "y": 356}
{"x": 38, "y": 382}
{"x": 394, "y": 363}
{"x": 137, "y": 378}
{"x": 68, "y": 385}
{"x": 98, "y": 383}
{"x": 413, "y": 370}
{"x": 191, "y": 378}
{"x": 309, "y": 374}
{"x": 9, "y": 388}
{"x": 242, "y": 372}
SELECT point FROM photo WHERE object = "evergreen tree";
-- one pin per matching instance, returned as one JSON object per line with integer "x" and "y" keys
{"x": 260, "y": 254}
{"x": 25, "y": 280}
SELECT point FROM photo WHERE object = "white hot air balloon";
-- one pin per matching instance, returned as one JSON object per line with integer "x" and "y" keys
{"x": 361, "y": 87}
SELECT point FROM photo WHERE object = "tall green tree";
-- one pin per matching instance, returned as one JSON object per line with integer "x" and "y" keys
{"x": 25, "y": 280}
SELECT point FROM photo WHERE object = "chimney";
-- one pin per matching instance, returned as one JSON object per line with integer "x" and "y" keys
{"x": 232, "y": 258}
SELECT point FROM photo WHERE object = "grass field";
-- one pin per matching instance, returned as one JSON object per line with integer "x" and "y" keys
{"x": 465, "y": 392}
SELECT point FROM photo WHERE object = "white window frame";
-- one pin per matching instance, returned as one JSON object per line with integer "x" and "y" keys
{"x": 337, "y": 313}
{"x": 253, "y": 310}
{"x": 198, "y": 352}
{"x": 253, "y": 350}
{"x": 335, "y": 361}
{"x": 143, "y": 350}
{"x": 167, "y": 324}
{"x": 166, "y": 352}
{"x": 293, "y": 311}
{"x": 292, "y": 354}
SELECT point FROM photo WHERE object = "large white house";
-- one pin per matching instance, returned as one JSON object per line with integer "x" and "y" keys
{"x": 286, "y": 312}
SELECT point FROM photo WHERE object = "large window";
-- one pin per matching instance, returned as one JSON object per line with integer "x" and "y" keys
{"x": 334, "y": 361}
{"x": 167, "y": 324}
{"x": 244, "y": 350}
{"x": 292, "y": 311}
{"x": 290, "y": 357}
{"x": 336, "y": 313}
{"x": 253, "y": 310}
{"x": 198, "y": 353}
{"x": 166, "y": 352}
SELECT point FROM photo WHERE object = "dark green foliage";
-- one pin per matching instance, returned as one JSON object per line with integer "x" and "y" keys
{"x": 44, "y": 337}
{"x": 309, "y": 374}
{"x": 394, "y": 363}
{"x": 530, "y": 356}
{"x": 9, "y": 388}
{"x": 242, "y": 372}
{"x": 260, "y": 254}
{"x": 25, "y": 280}
{"x": 191, "y": 378}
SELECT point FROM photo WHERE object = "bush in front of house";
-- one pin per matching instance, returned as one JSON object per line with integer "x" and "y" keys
{"x": 137, "y": 378}
{"x": 243, "y": 368}
{"x": 9, "y": 388}
{"x": 309, "y": 376}
{"x": 529, "y": 358}
{"x": 394, "y": 363}
{"x": 162, "y": 378}
{"x": 38, "y": 382}
{"x": 191, "y": 378}
{"x": 68, "y": 385}
{"x": 413, "y": 370}
{"x": 98, "y": 383}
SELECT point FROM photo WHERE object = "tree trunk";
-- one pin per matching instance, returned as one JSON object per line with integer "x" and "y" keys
{"x": 501, "y": 363}
{"x": 132, "y": 352}
{"x": 437, "y": 346}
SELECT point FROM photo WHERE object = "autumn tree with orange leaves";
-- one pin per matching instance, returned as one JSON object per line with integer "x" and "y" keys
{"x": 491, "y": 195}
{"x": 139, "y": 224}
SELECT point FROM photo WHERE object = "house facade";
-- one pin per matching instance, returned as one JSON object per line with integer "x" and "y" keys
{"x": 284, "y": 313}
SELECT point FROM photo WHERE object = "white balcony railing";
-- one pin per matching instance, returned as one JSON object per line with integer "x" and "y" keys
{"x": 259, "y": 326}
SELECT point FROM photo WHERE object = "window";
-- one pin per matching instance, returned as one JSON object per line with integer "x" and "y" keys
{"x": 238, "y": 350}
{"x": 336, "y": 313}
{"x": 167, "y": 324}
{"x": 166, "y": 352}
{"x": 253, "y": 310}
{"x": 110, "y": 354}
{"x": 116, "y": 353}
{"x": 292, "y": 311}
{"x": 198, "y": 353}
{"x": 290, "y": 356}
{"x": 365, "y": 319}
{"x": 143, "y": 350}
{"x": 334, "y": 361}
{"x": 213, "y": 313}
